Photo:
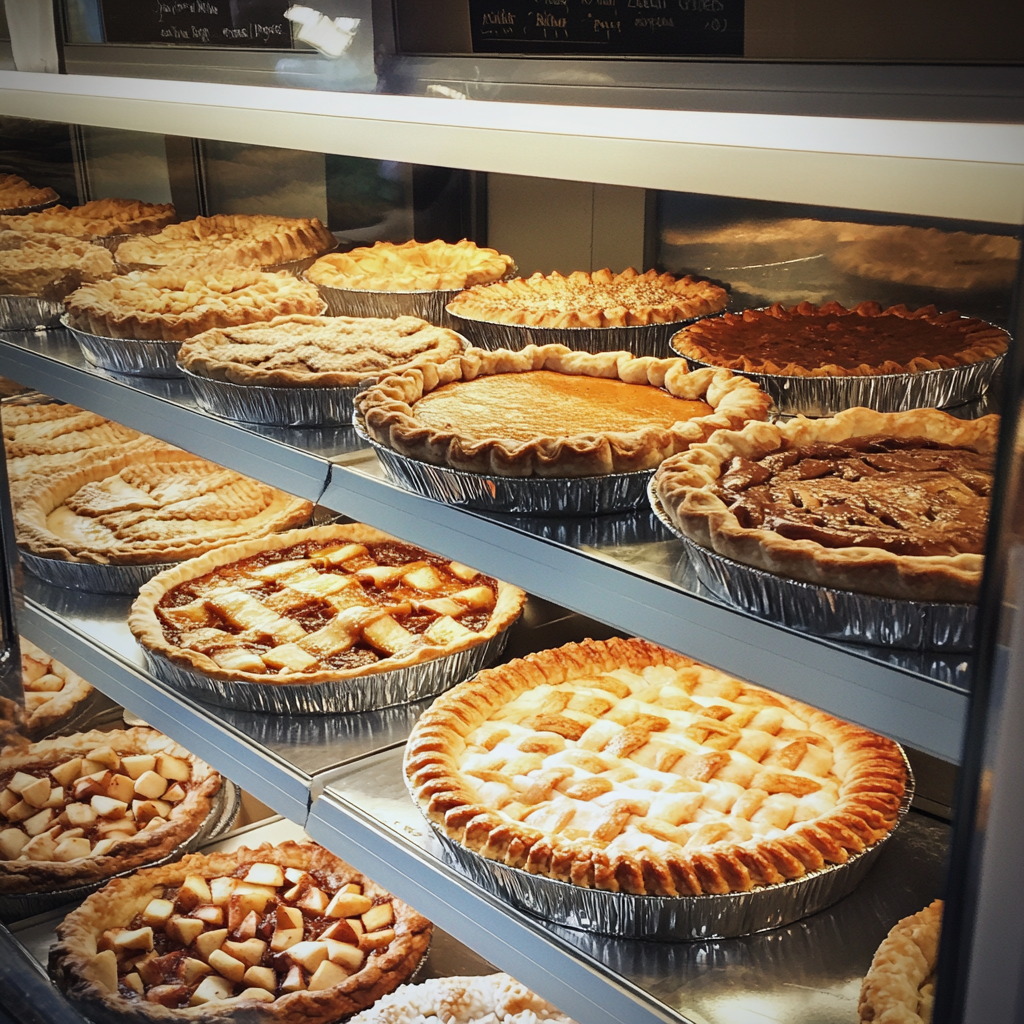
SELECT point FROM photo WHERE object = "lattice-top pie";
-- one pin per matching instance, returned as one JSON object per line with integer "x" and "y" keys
{"x": 411, "y": 267}
{"x": 320, "y": 351}
{"x": 619, "y": 765}
{"x": 239, "y": 238}
{"x": 285, "y": 933}
{"x": 50, "y": 266}
{"x": 51, "y": 689}
{"x": 601, "y": 299}
{"x": 312, "y": 605}
{"x": 16, "y": 193}
{"x": 175, "y": 303}
{"x": 99, "y": 218}
{"x": 77, "y": 809}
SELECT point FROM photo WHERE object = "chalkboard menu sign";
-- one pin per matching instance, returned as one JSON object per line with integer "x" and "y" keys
{"x": 198, "y": 22}
{"x": 679, "y": 27}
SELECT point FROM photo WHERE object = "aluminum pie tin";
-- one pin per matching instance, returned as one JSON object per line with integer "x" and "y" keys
{"x": 369, "y": 692}
{"x": 826, "y": 612}
{"x": 91, "y": 577}
{"x": 136, "y": 356}
{"x": 27, "y": 312}
{"x": 15, "y": 906}
{"x": 18, "y": 211}
{"x": 427, "y": 305}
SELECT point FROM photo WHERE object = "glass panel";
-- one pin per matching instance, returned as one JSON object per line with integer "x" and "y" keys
{"x": 132, "y": 165}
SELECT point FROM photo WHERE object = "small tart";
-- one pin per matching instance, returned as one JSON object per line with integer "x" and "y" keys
{"x": 50, "y": 266}
{"x": 891, "y": 504}
{"x": 77, "y": 809}
{"x": 548, "y": 411}
{"x": 620, "y": 765}
{"x": 145, "y": 506}
{"x": 16, "y": 193}
{"x": 900, "y": 985}
{"x": 311, "y": 606}
{"x": 832, "y": 341}
{"x": 99, "y": 218}
{"x": 601, "y": 299}
{"x": 239, "y": 238}
{"x": 316, "y": 351}
{"x": 411, "y": 267}
{"x": 175, "y": 303}
{"x": 51, "y": 690}
{"x": 275, "y": 933}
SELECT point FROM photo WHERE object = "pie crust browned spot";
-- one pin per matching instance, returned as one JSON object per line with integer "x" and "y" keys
{"x": 51, "y": 690}
{"x": 276, "y": 933}
{"x": 891, "y": 504}
{"x": 620, "y": 765}
{"x": 16, "y": 192}
{"x": 50, "y": 266}
{"x": 96, "y": 219}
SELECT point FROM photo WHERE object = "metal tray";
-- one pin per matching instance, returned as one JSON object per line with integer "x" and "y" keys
{"x": 138, "y": 357}
{"x": 27, "y": 312}
{"x": 94, "y": 578}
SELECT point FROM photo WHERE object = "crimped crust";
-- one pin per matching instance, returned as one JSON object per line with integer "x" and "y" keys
{"x": 99, "y": 218}
{"x": 316, "y": 351}
{"x": 51, "y": 689}
{"x": 147, "y": 845}
{"x": 600, "y": 299}
{"x": 900, "y": 985}
{"x": 175, "y": 303}
{"x": 16, "y": 193}
{"x": 685, "y": 486}
{"x": 149, "y": 630}
{"x": 389, "y": 411}
{"x": 411, "y": 267}
{"x": 50, "y": 266}
{"x": 71, "y": 959}
{"x": 643, "y": 782}
{"x": 711, "y": 340}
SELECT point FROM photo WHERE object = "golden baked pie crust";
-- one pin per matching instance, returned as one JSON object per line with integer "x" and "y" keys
{"x": 99, "y": 218}
{"x": 16, "y": 193}
{"x": 45, "y": 708}
{"x": 50, "y": 266}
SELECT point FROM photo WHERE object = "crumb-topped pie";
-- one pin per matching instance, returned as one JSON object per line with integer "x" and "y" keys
{"x": 309, "y": 606}
{"x": 51, "y": 690}
{"x": 316, "y": 351}
{"x": 16, "y": 193}
{"x": 549, "y": 411}
{"x": 99, "y": 218}
{"x": 891, "y": 504}
{"x": 77, "y": 809}
{"x": 622, "y": 766}
{"x": 900, "y": 985}
{"x": 145, "y": 506}
{"x": 600, "y": 299}
{"x": 50, "y": 266}
{"x": 275, "y": 933}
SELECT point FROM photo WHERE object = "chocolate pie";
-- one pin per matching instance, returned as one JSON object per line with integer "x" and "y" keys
{"x": 52, "y": 691}
{"x": 16, "y": 193}
{"x": 50, "y": 266}
{"x": 99, "y": 218}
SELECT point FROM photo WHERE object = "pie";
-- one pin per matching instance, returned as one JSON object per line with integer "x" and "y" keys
{"x": 309, "y": 606}
{"x": 316, "y": 351}
{"x": 622, "y": 766}
{"x": 16, "y": 193}
{"x": 145, "y": 506}
{"x": 50, "y": 266}
{"x": 239, "y": 238}
{"x": 900, "y": 985}
{"x": 832, "y": 341}
{"x": 175, "y": 303}
{"x": 51, "y": 690}
{"x": 285, "y": 933}
{"x": 891, "y": 504}
{"x": 601, "y": 299}
{"x": 77, "y": 809}
{"x": 411, "y": 267}
{"x": 99, "y": 218}
{"x": 548, "y": 411}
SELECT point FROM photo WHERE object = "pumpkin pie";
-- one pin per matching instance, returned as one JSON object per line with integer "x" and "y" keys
{"x": 99, "y": 218}
{"x": 16, "y": 193}
{"x": 51, "y": 690}
{"x": 50, "y": 266}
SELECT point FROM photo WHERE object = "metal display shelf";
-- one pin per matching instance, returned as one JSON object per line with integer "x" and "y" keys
{"x": 626, "y": 571}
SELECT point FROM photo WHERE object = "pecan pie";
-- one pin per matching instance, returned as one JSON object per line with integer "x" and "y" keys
{"x": 900, "y": 986}
{"x": 322, "y": 604}
{"x": 620, "y": 765}
{"x": 316, "y": 351}
{"x": 891, "y": 504}
{"x": 99, "y": 218}
{"x": 145, "y": 506}
{"x": 285, "y": 933}
{"x": 77, "y": 809}
{"x": 16, "y": 193}
{"x": 600, "y": 299}
{"x": 549, "y": 411}
{"x": 411, "y": 267}
{"x": 832, "y": 341}
{"x": 51, "y": 689}
{"x": 50, "y": 266}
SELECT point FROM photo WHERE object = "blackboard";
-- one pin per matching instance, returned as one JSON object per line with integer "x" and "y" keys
{"x": 668, "y": 27}
{"x": 248, "y": 23}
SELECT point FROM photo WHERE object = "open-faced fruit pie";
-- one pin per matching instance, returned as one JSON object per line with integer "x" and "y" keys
{"x": 16, "y": 193}
{"x": 51, "y": 690}
{"x": 276, "y": 933}
{"x": 98, "y": 218}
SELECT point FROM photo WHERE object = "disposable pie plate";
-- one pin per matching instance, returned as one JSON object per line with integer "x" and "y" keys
{"x": 90, "y": 576}
{"x": 27, "y": 312}
{"x": 136, "y": 356}
{"x": 827, "y": 612}
{"x": 17, "y": 211}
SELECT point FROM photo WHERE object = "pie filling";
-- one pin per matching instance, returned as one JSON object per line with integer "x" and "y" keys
{"x": 524, "y": 406}
{"x": 44, "y": 679}
{"x": 909, "y": 496}
{"x": 326, "y": 605}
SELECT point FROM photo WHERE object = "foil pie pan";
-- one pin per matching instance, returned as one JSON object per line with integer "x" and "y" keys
{"x": 91, "y": 577}
{"x": 138, "y": 357}
{"x": 369, "y": 692}
{"x": 825, "y": 612}
{"x": 427, "y": 305}
{"x": 15, "y": 906}
{"x": 18, "y": 211}
{"x": 27, "y": 312}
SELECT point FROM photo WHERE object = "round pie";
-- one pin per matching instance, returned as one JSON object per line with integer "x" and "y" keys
{"x": 276, "y": 933}
{"x": 16, "y": 193}
{"x": 99, "y": 218}
{"x": 548, "y": 411}
{"x": 51, "y": 690}
{"x": 900, "y": 985}
{"x": 891, "y": 504}
{"x": 832, "y": 341}
{"x": 600, "y": 299}
{"x": 622, "y": 766}
{"x": 316, "y": 351}
{"x": 50, "y": 266}
{"x": 146, "y": 506}
{"x": 78, "y": 809}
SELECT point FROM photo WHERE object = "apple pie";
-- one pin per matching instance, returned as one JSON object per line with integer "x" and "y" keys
{"x": 16, "y": 193}
{"x": 50, "y": 266}
{"x": 51, "y": 690}
{"x": 99, "y": 218}
{"x": 622, "y": 766}
{"x": 285, "y": 933}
